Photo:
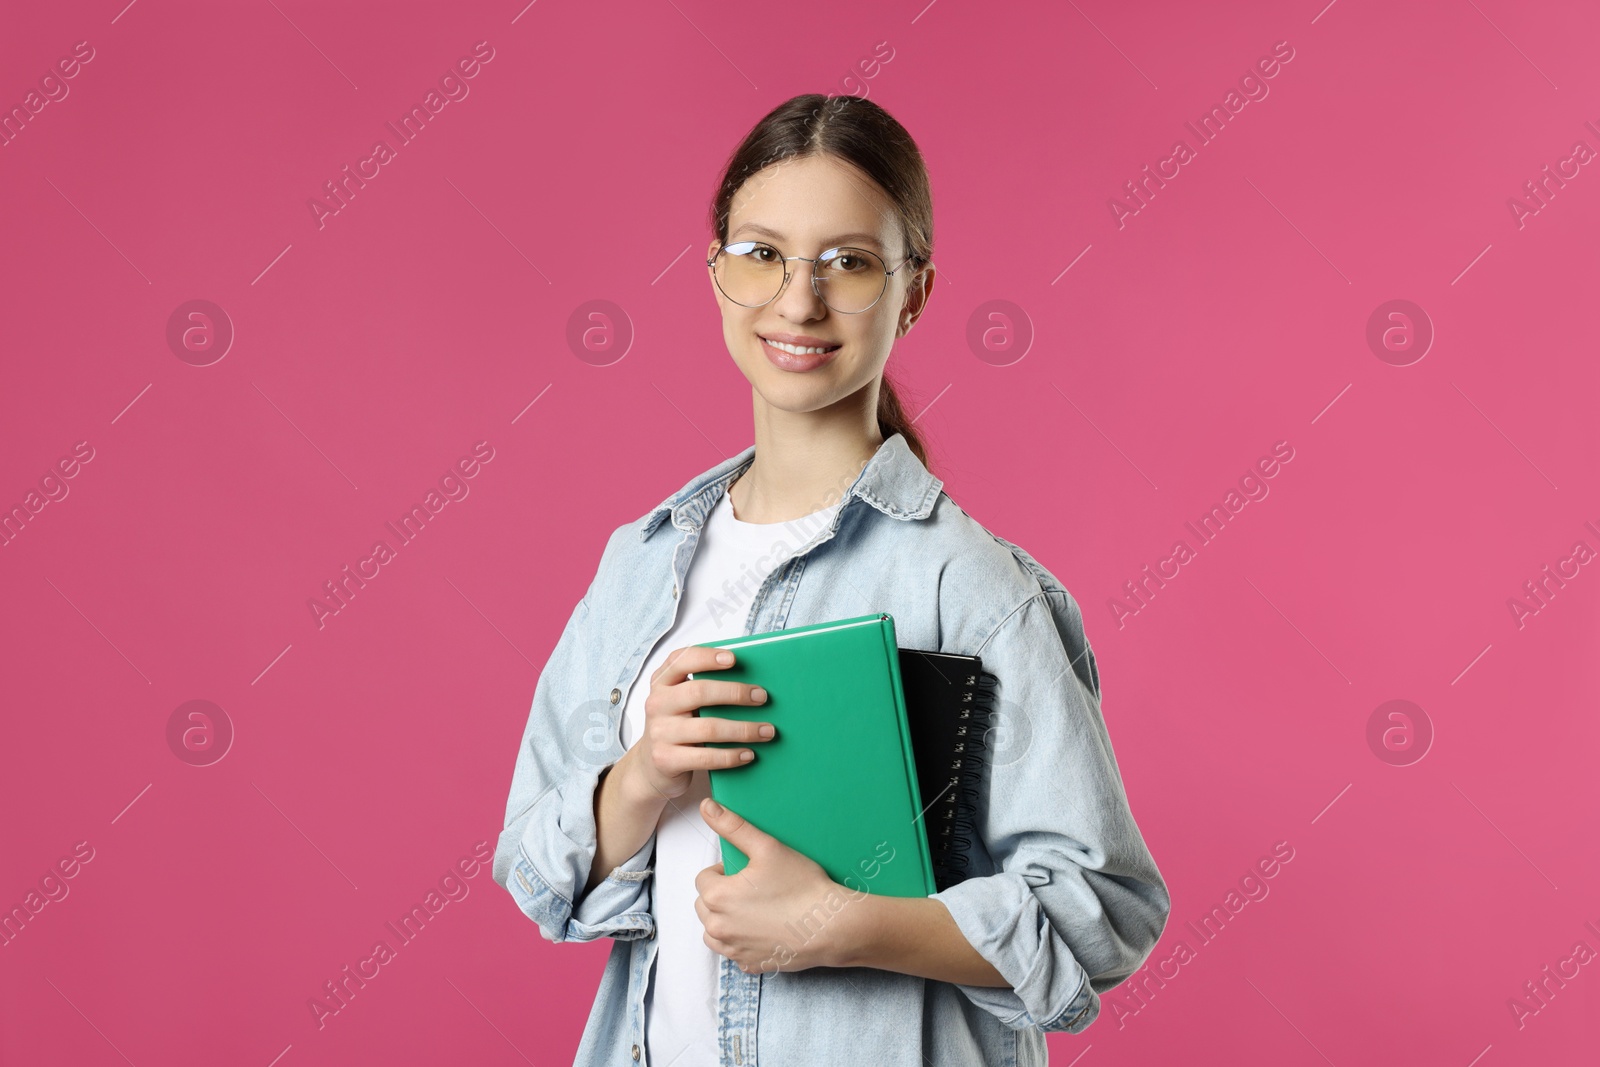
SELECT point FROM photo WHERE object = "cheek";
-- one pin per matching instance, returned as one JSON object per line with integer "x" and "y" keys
{"x": 874, "y": 340}
{"x": 737, "y": 336}
{"x": 738, "y": 324}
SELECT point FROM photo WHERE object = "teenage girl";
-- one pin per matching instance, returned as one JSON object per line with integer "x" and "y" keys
{"x": 819, "y": 264}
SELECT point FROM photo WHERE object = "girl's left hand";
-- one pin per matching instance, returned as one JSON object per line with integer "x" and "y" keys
{"x": 781, "y": 912}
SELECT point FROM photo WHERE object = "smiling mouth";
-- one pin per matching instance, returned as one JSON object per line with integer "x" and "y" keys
{"x": 801, "y": 350}
{"x": 798, "y": 359}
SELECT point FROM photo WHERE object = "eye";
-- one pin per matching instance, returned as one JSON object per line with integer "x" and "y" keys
{"x": 846, "y": 261}
{"x": 753, "y": 252}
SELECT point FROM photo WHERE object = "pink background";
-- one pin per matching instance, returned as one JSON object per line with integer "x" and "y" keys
{"x": 370, "y": 754}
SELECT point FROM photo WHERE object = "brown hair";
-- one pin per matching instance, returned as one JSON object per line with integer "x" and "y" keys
{"x": 863, "y": 134}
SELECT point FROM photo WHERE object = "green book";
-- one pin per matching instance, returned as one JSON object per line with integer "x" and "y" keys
{"x": 838, "y": 781}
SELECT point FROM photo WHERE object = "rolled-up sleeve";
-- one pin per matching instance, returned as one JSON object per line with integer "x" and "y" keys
{"x": 546, "y": 855}
{"x": 1076, "y": 903}
{"x": 548, "y": 844}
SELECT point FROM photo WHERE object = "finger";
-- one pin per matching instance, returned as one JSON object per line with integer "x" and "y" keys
{"x": 735, "y": 829}
{"x": 672, "y": 659}
{"x": 681, "y": 759}
{"x": 681, "y": 698}
{"x": 708, "y": 692}
{"x": 704, "y": 881}
{"x": 691, "y": 658}
{"x": 676, "y": 757}
{"x": 664, "y": 663}
{"x": 700, "y": 729}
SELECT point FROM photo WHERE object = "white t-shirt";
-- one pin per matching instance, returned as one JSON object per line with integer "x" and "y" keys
{"x": 731, "y": 561}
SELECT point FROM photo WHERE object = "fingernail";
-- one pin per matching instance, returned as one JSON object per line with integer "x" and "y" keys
{"x": 766, "y": 730}
{"x": 759, "y": 695}
{"x": 713, "y": 807}
{"x": 724, "y": 658}
{"x": 746, "y": 755}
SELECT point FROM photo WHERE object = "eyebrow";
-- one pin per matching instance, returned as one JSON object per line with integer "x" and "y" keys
{"x": 830, "y": 242}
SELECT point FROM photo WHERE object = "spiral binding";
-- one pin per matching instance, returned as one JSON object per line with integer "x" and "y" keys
{"x": 955, "y": 827}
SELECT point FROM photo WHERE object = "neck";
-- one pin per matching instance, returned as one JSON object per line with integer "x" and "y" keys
{"x": 804, "y": 461}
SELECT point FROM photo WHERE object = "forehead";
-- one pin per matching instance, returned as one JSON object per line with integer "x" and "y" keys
{"x": 815, "y": 200}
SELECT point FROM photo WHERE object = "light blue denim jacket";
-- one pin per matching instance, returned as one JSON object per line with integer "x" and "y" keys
{"x": 1063, "y": 897}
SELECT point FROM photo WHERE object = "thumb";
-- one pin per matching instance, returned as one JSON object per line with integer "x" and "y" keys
{"x": 734, "y": 827}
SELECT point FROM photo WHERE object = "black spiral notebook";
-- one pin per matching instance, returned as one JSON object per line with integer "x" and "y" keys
{"x": 949, "y": 701}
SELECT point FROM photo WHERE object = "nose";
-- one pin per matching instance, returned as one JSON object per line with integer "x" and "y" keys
{"x": 798, "y": 300}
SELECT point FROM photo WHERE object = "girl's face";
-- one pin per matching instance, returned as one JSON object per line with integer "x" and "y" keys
{"x": 803, "y": 207}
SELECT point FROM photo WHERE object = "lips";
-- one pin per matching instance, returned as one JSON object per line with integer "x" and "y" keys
{"x": 790, "y": 362}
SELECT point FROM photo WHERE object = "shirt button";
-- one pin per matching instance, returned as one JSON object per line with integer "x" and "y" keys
{"x": 616, "y": 695}
{"x": 636, "y": 1052}
{"x": 674, "y": 592}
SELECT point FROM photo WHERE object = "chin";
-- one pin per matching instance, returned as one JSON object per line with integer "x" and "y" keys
{"x": 796, "y": 400}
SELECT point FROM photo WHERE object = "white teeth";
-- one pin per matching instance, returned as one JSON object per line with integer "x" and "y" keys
{"x": 796, "y": 350}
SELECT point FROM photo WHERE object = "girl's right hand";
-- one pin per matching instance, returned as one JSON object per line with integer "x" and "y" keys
{"x": 670, "y": 748}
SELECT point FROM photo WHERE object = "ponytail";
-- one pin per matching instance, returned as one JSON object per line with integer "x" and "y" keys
{"x": 892, "y": 419}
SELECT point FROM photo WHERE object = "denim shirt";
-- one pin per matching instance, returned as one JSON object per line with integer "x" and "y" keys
{"x": 1062, "y": 895}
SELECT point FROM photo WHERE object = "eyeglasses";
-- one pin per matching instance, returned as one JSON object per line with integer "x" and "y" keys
{"x": 848, "y": 280}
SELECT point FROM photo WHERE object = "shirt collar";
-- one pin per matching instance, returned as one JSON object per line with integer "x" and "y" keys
{"x": 894, "y": 481}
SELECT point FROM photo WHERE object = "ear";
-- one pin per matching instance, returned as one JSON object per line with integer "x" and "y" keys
{"x": 711, "y": 276}
{"x": 921, "y": 287}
